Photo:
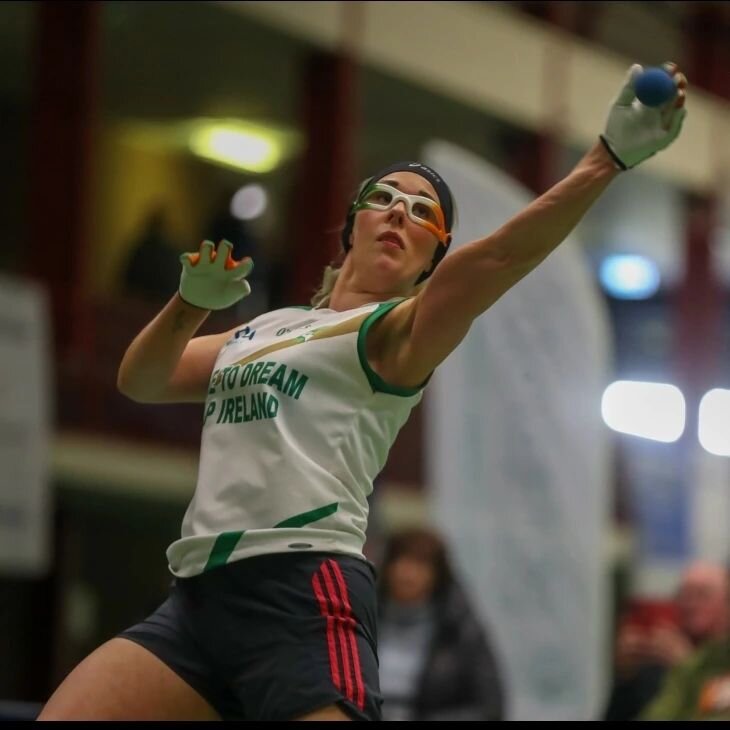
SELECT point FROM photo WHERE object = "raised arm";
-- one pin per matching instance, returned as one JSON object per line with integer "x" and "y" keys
{"x": 163, "y": 364}
{"x": 426, "y": 329}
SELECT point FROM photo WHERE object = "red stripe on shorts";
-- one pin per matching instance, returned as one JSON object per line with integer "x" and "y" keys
{"x": 351, "y": 633}
{"x": 330, "y": 589}
{"x": 343, "y": 643}
{"x": 336, "y": 588}
{"x": 324, "y": 610}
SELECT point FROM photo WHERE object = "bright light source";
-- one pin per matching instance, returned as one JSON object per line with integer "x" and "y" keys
{"x": 627, "y": 276}
{"x": 249, "y": 202}
{"x": 714, "y": 422}
{"x": 651, "y": 410}
{"x": 235, "y": 143}
{"x": 242, "y": 146}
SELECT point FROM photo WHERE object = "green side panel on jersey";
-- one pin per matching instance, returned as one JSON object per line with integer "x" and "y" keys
{"x": 226, "y": 542}
{"x": 312, "y": 516}
{"x": 376, "y": 382}
{"x": 224, "y": 545}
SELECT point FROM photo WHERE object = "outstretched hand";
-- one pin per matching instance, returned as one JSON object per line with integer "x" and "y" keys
{"x": 212, "y": 279}
{"x": 635, "y": 132}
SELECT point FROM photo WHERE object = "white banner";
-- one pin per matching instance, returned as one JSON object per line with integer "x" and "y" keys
{"x": 519, "y": 467}
{"x": 25, "y": 513}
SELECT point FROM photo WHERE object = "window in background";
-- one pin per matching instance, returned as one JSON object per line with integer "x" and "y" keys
{"x": 183, "y": 88}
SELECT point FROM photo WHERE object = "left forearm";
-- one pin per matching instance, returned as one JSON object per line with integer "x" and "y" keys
{"x": 475, "y": 276}
{"x": 530, "y": 236}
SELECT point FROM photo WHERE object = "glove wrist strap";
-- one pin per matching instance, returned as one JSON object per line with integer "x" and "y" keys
{"x": 190, "y": 304}
{"x": 619, "y": 164}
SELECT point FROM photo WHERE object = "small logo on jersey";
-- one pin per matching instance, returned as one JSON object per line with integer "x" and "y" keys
{"x": 297, "y": 326}
{"x": 342, "y": 328}
{"x": 245, "y": 333}
{"x": 308, "y": 335}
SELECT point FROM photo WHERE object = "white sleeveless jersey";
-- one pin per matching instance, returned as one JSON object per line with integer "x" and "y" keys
{"x": 296, "y": 427}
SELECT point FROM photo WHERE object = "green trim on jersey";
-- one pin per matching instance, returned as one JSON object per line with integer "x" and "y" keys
{"x": 222, "y": 549}
{"x": 376, "y": 382}
{"x": 299, "y": 306}
{"x": 226, "y": 542}
{"x": 312, "y": 516}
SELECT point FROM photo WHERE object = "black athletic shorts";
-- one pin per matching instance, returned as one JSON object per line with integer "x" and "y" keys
{"x": 273, "y": 637}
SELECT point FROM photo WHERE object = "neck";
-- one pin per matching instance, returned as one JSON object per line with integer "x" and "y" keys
{"x": 351, "y": 292}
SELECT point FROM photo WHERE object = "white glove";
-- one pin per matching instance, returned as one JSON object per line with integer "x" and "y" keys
{"x": 213, "y": 280}
{"x": 635, "y": 132}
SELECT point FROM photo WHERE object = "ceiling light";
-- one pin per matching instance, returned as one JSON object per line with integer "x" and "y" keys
{"x": 629, "y": 276}
{"x": 651, "y": 410}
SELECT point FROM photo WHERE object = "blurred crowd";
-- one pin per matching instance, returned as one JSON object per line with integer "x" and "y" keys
{"x": 672, "y": 659}
{"x": 438, "y": 659}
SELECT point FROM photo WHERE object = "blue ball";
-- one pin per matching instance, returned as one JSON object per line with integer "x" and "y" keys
{"x": 654, "y": 86}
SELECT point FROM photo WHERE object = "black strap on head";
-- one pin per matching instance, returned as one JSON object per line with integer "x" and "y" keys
{"x": 442, "y": 191}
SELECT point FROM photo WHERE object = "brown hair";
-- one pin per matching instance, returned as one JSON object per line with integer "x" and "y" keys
{"x": 423, "y": 544}
{"x": 322, "y": 296}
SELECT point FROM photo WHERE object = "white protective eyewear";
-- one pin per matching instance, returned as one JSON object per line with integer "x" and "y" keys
{"x": 420, "y": 209}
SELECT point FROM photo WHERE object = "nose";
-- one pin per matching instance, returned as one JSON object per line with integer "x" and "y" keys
{"x": 398, "y": 210}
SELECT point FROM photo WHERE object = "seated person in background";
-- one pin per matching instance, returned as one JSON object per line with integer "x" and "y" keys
{"x": 153, "y": 272}
{"x": 698, "y": 688}
{"x": 435, "y": 659}
{"x": 646, "y": 652}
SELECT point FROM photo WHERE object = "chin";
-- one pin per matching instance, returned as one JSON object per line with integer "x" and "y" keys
{"x": 391, "y": 271}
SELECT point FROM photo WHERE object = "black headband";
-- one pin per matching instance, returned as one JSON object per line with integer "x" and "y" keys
{"x": 441, "y": 188}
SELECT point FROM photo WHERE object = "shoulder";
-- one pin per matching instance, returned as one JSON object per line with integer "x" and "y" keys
{"x": 387, "y": 343}
{"x": 390, "y": 322}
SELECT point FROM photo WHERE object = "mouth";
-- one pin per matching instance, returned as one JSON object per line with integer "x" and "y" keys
{"x": 392, "y": 238}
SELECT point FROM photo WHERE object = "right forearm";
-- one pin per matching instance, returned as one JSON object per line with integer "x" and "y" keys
{"x": 153, "y": 355}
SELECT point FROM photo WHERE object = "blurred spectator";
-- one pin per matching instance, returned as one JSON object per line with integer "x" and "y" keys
{"x": 696, "y": 689}
{"x": 648, "y": 648}
{"x": 153, "y": 270}
{"x": 435, "y": 658}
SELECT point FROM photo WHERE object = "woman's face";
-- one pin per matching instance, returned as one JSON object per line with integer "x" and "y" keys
{"x": 410, "y": 580}
{"x": 389, "y": 249}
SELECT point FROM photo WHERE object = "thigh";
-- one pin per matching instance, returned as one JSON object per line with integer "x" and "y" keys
{"x": 124, "y": 681}
{"x": 329, "y": 713}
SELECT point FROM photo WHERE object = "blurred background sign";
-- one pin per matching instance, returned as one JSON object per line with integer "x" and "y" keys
{"x": 519, "y": 461}
{"x": 24, "y": 429}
